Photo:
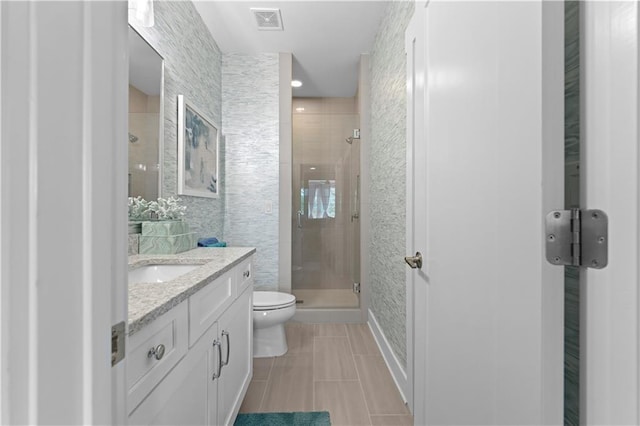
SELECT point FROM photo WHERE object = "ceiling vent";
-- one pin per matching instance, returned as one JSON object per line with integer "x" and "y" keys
{"x": 268, "y": 19}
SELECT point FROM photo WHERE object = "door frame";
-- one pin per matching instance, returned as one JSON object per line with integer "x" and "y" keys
{"x": 610, "y": 300}
{"x": 415, "y": 86}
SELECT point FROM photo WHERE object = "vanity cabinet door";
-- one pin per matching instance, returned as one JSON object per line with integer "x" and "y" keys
{"x": 181, "y": 398}
{"x": 167, "y": 334}
{"x": 214, "y": 369}
{"x": 236, "y": 334}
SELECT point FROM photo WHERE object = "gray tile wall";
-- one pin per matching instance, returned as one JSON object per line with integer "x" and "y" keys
{"x": 250, "y": 107}
{"x": 572, "y": 80}
{"x": 572, "y": 199}
{"x": 193, "y": 69}
{"x": 388, "y": 175}
{"x": 134, "y": 244}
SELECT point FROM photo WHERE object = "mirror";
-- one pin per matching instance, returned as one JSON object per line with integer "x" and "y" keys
{"x": 146, "y": 105}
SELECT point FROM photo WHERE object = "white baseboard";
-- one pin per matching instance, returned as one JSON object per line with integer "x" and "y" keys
{"x": 397, "y": 371}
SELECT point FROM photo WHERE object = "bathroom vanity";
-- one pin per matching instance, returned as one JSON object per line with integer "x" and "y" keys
{"x": 189, "y": 349}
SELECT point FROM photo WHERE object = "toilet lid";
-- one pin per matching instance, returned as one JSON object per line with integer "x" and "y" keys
{"x": 272, "y": 300}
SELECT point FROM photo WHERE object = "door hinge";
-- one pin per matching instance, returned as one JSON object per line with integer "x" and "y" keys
{"x": 117, "y": 343}
{"x": 577, "y": 237}
{"x": 356, "y": 288}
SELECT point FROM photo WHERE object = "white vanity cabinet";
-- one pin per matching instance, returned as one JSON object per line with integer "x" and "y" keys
{"x": 237, "y": 357}
{"x": 207, "y": 385}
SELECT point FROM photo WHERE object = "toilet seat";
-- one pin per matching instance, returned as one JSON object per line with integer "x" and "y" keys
{"x": 270, "y": 300}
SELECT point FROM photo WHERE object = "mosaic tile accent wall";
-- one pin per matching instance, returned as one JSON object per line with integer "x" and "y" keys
{"x": 134, "y": 244}
{"x": 388, "y": 175}
{"x": 250, "y": 106}
{"x": 572, "y": 199}
{"x": 192, "y": 68}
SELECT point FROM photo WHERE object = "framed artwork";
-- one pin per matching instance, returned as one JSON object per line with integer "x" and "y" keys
{"x": 198, "y": 152}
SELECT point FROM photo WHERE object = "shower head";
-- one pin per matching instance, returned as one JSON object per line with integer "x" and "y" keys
{"x": 349, "y": 140}
{"x": 133, "y": 138}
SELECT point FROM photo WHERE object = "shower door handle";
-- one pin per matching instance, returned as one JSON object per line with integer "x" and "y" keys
{"x": 299, "y": 219}
{"x": 356, "y": 200}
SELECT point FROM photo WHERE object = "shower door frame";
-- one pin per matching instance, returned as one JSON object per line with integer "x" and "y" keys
{"x": 332, "y": 315}
{"x": 285, "y": 213}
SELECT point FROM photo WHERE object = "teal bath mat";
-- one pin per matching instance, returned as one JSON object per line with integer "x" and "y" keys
{"x": 307, "y": 418}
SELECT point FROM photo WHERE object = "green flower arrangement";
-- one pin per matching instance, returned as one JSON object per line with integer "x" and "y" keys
{"x": 161, "y": 209}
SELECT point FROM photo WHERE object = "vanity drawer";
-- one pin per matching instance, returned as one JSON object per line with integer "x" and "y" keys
{"x": 244, "y": 273}
{"x": 208, "y": 303}
{"x": 166, "y": 339}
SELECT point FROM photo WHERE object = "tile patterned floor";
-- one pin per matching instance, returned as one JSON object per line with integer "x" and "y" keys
{"x": 329, "y": 367}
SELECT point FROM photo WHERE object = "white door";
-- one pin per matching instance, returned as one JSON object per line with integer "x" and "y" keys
{"x": 63, "y": 202}
{"x": 609, "y": 338}
{"x": 486, "y": 129}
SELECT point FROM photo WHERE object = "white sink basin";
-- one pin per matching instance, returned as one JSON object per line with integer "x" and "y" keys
{"x": 159, "y": 273}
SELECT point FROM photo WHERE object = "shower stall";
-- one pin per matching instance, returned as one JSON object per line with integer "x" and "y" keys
{"x": 326, "y": 203}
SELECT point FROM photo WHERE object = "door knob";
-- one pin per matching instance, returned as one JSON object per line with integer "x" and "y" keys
{"x": 414, "y": 261}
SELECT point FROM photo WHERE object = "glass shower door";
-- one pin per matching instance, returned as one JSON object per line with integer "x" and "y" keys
{"x": 325, "y": 225}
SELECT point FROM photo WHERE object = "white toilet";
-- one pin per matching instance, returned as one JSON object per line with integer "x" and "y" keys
{"x": 271, "y": 309}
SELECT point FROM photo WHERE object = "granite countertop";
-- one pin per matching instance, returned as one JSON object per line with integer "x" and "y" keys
{"x": 147, "y": 301}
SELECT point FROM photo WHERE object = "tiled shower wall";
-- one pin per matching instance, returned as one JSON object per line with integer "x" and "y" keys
{"x": 388, "y": 175}
{"x": 250, "y": 106}
{"x": 572, "y": 199}
{"x": 192, "y": 68}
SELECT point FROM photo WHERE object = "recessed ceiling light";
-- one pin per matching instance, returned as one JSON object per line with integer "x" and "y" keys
{"x": 299, "y": 109}
{"x": 312, "y": 168}
{"x": 296, "y": 83}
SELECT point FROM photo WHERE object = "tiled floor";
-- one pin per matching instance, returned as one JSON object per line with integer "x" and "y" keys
{"x": 329, "y": 367}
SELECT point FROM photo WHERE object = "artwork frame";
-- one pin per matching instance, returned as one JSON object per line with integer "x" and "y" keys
{"x": 198, "y": 158}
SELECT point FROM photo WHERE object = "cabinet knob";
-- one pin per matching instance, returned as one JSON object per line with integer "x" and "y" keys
{"x": 157, "y": 352}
